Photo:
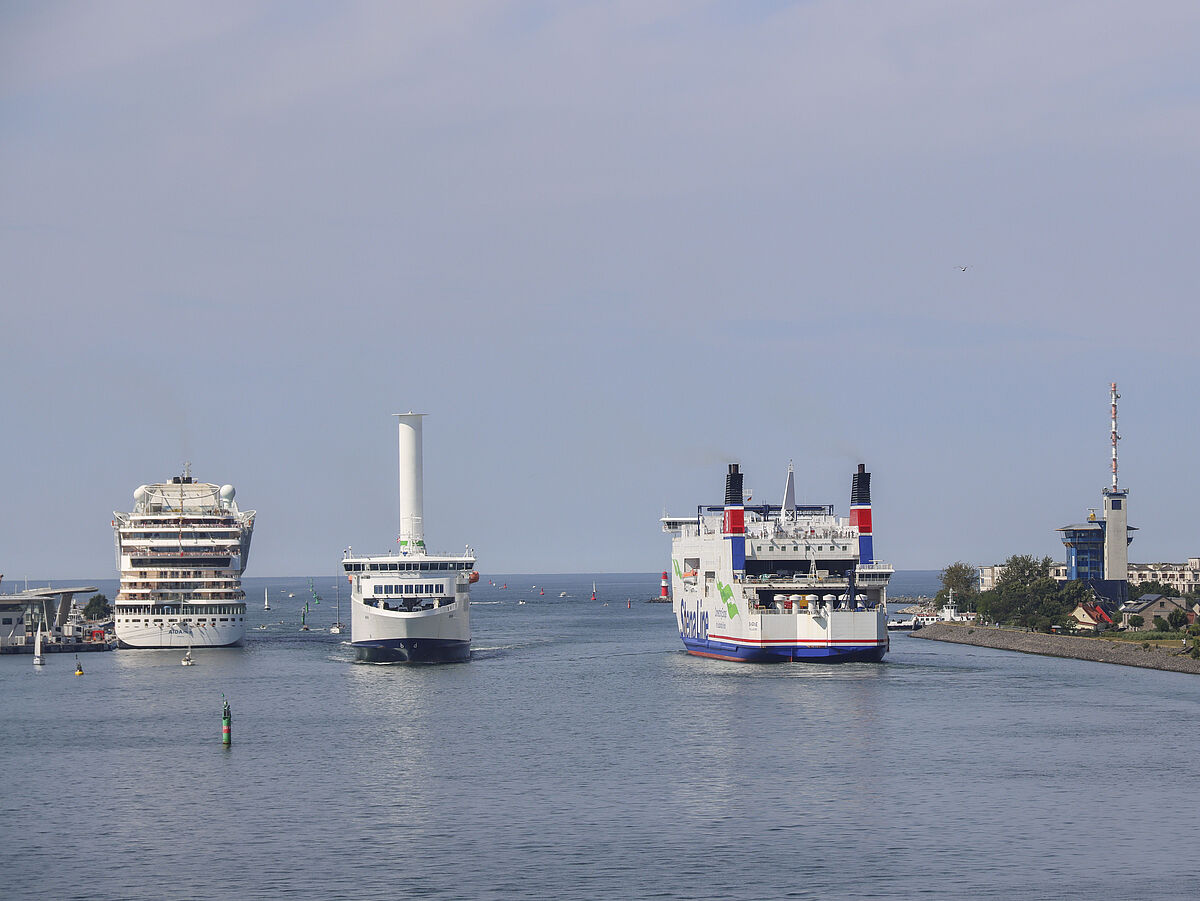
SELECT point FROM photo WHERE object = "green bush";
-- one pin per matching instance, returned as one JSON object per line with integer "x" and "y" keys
{"x": 1145, "y": 645}
{"x": 1161, "y": 624}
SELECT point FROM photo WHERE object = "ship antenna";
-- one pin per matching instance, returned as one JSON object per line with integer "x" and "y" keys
{"x": 1115, "y": 437}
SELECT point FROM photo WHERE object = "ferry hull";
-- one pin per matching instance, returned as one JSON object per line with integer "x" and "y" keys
{"x": 413, "y": 650}
{"x": 720, "y": 650}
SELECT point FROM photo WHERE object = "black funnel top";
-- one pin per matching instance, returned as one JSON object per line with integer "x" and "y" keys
{"x": 733, "y": 487}
{"x": 860, "y": 488}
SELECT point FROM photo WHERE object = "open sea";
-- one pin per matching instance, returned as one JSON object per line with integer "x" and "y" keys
{"x": 582, "y": 754}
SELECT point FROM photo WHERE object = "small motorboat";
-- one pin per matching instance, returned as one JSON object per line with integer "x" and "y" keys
{"x": 188, "y": 660}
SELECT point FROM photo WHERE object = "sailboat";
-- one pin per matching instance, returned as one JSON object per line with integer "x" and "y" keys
{"x": 593, "y": 591}
{"x": 266, "y": 600}
{"x": 336, "y": 628}
{"x": 38, "y": 658}
{"x": 187, "y": 658}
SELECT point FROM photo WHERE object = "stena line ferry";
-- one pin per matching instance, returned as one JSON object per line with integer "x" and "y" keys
{"x": 774, "y": 583}
{"x": 411, "y": 606}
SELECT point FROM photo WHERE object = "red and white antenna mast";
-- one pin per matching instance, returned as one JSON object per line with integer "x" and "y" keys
{"x": 1115, "y": 437}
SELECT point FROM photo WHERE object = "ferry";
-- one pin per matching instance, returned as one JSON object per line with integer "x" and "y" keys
{"x": 410, "y": 606}
{"x": 181, "y": 553}
{"x": 775, "y": 583}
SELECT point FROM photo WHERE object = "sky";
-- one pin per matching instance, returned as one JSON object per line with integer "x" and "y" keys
{"x": 608, "y": 247}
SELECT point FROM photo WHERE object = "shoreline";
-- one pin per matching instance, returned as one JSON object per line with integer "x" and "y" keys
{"x": 1096, "y": 650}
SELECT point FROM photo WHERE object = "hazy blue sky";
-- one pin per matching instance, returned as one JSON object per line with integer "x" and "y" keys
{"x": 607, "y": 246}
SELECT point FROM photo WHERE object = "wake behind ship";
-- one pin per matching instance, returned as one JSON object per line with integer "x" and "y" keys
{"x": 773, "y": 583}
{"x": 181, "y": 553}
{"x": 411, "y": 606}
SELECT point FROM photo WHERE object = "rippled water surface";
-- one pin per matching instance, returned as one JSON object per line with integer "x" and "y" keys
{"x": 582, "y": 754}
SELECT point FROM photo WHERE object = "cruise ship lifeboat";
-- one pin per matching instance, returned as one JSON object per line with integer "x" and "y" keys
{"x": 474, "y": 577}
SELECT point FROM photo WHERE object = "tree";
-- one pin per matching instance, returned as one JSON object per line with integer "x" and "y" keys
{"x": 1177, "y": 619}
{"x": 1150, "y": 586}
{"x": 1161, "y": 624}
{"x": 1026, "y": 595}
{"x": 963, "y": 580}
{"x": 1137, "y": 621}
{"x": 97, "y": 607}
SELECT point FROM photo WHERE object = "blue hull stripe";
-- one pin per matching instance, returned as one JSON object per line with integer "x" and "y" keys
{"x": 781, "y": 654}
{"x": 412, "y": 650}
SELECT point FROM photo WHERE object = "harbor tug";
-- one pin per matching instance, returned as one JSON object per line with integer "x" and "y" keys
{"x": 410, "y": 606}
{"x": 774, "y": 583}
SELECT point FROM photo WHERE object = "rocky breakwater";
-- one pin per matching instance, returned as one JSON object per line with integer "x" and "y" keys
{"x": 1100, "y": 650}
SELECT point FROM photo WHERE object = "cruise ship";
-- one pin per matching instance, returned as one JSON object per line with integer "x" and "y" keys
{"x": 410, "y": 606}
{"x": 181, "y": 553}
{"x": 774, "y": 583}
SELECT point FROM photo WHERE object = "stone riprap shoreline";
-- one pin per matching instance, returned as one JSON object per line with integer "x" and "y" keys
{"x": 1099, "y": 650}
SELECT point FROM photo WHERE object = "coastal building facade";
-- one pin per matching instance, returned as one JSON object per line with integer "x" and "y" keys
{"x": 1183, "y": 577}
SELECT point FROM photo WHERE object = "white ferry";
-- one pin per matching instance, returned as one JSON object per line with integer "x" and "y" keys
{"x": 181, "y": 554}
{"x": 411, "y": 606}
{"x": 781, "y": 582}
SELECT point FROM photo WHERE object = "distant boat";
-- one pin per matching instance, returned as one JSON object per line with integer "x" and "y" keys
{"x": 562, "y": 594}
{"x": 187, "y": 658}
{"x": 266, "y": 600}
{"x": 38, "y": 658}
{"x": 594, "y": 592}
{"x": 519, "y": 603}
{"x": 290, "y": 595}
{"x": 336, "y": 628}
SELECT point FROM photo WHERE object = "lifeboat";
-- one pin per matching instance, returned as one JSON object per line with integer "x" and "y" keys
{"x": 474, "y": 577}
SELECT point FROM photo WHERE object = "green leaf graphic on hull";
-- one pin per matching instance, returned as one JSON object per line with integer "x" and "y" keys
{"x": 726, "y": 596}
{"x": 678, "y": 571}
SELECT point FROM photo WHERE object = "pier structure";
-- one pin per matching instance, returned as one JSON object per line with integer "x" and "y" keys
{"x": 20, "y": 614}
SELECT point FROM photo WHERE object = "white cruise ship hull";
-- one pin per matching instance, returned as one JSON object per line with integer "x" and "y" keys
{"x": 182, "y": 635}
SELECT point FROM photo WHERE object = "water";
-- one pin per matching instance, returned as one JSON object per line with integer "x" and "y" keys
{"x": 582, "y": 754}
